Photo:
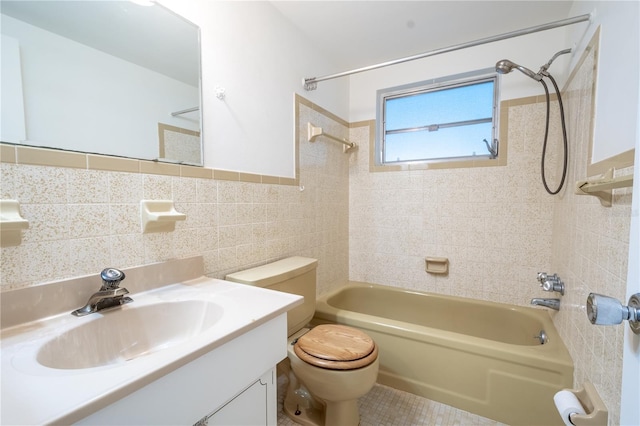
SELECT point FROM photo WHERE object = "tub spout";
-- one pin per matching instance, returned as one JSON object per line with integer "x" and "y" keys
{"x": 547, "y": 303}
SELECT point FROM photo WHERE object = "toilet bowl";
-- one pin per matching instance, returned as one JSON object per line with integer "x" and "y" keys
{"x": 336, "y": 374}
{"x": 331, "y": 365}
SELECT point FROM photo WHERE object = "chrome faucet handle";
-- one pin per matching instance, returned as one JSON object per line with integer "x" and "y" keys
{"x": 553, "y": 285}
{"x": 111, "y": 278}
{"x": 551, "y": 282}
{"x": 542, "y": 277}
{"x": 605, "y": 310}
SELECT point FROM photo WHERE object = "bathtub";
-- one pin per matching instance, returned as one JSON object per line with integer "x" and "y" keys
{"x": 478, "y": 356}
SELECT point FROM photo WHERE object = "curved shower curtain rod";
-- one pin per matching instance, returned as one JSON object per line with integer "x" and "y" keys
{"x": 311, "y": 83}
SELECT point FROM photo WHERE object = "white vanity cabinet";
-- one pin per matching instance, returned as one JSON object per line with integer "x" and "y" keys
{"x": 188, "y": 347}
{"x": 235, "y": 384}
{"x": 256, "y": 405}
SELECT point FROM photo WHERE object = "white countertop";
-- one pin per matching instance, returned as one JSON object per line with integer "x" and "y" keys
{"x": 35, "y": 395}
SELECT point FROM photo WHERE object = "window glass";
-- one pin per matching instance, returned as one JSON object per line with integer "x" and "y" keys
{"x": 451, "y": 118}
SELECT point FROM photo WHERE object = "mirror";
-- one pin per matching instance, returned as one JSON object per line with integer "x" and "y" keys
{"x": 107, "y": 77}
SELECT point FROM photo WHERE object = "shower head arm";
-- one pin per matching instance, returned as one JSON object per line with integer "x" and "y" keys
{"x": 545, "y": 67}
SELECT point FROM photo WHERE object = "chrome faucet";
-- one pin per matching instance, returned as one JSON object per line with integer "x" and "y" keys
{"x": 109, "y": 295}
{"x": 547, "y": 303}
{"x": 551, "y": 282}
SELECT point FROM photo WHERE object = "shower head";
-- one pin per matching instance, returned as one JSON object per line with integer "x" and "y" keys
{"x": 505, "y": 66}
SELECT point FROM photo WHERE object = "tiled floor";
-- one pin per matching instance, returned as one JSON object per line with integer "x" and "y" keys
{"x": 385, "y": 406}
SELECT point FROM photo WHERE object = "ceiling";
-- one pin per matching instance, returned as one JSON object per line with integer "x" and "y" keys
{"x": 355, "y": 34}
{"x": 351, "y": 34}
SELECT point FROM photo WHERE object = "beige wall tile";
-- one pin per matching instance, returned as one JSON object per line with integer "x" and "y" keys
{"x": 125, "y": 188}
{"x": 496, "y": 225}
{"x": 196, "y": 172}
{"x": 40, "y": 185}
{"x": 87, "y": 186}
{"x": 153, "y": 167}
{"x": 7, "y": 153}
{"x": 50, "y": 157}
{"x": 157, "y": 187}
{"x": 115, "y": 164}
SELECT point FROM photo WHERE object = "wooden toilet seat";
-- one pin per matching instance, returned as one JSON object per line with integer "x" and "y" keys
{"x": 336, "y": 347}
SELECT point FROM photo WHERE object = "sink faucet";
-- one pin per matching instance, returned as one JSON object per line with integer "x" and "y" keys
{"x": 109, "y": 295}
{"x": 547, "y": 303}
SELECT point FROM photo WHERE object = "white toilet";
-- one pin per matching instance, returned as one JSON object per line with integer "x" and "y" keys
{"x": 332, "y": 365}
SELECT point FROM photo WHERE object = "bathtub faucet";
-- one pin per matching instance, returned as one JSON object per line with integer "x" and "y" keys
{"x": 547, "y": 303}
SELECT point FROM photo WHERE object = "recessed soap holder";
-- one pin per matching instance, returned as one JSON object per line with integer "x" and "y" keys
{"x": 159, "y": 216}
{"x": 11, "y": 223}
{"x": 437, "y": 265}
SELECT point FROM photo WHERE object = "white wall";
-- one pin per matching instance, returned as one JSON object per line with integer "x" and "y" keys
{"x": 617, "y": 86}
{"x": 260, "y": 59}
{"x": 629, "y": 409}
{"x": 531, "y": 51}
{"x": 72, "y": 102}
{"x": 13, "y": 126}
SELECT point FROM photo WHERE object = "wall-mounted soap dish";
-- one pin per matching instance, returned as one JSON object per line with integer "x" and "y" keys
{"x": 11, "y": 223}
{"x": 437, "y": 265}
{"x": 159, "y": 216}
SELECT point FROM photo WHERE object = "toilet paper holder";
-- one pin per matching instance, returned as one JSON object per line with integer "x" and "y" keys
{"x": 597, "y": 413}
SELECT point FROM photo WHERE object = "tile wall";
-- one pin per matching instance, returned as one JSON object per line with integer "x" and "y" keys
{"x": 83, "y": 219}
{"x": 499, "y": 227}
{"x": 590, "y": 252}
{"x": 494, "y": 224}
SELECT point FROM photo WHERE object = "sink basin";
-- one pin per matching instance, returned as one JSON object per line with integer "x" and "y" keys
{"x": 127, "y": 333}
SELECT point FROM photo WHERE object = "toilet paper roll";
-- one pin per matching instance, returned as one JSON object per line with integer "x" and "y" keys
{"x": 567, "y": 403}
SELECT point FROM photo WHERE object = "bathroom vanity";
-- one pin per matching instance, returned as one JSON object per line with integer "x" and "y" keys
{"x": 188, "y": 350}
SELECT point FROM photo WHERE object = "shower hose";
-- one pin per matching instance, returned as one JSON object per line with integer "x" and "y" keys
{"x": 546, "y": 135}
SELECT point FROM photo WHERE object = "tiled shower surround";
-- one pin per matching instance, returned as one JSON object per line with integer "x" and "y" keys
{"x": 498, "y": 228}
{"x": 497, "y": 225}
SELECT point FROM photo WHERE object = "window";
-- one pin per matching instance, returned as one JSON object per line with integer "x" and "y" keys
{"x": 448, "y": 119}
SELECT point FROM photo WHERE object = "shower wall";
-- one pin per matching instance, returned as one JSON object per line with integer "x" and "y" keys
{"x": 494, "y": 224}
{"x": 498, "y": 228}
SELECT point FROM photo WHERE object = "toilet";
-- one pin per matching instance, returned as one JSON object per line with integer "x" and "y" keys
{"x": 331, "y": 365}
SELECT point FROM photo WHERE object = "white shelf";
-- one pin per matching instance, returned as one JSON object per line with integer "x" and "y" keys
{"x": 603, "y": 186}
{"x": 11, "y": 223}
{"x": 159, "y": 216}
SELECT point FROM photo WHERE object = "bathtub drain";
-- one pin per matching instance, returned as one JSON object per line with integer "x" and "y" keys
{"x": 542, "y": 337}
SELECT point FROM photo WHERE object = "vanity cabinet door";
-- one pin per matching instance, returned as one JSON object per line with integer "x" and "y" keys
{"x": 256, "y": 405}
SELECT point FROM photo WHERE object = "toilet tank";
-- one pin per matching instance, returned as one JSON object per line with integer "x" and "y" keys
{"x": 296, "y": 275}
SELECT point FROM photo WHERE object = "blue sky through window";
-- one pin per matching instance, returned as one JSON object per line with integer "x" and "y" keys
{"x": 448, "y": 105}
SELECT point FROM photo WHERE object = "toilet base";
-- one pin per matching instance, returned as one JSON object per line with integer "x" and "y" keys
{"x": 308, "y": 416}
{"x": 343, "y": 413}
{"x": 300, "y": 406}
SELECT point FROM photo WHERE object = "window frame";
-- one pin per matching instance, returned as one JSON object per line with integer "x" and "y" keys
{"x": 433, "y": 85}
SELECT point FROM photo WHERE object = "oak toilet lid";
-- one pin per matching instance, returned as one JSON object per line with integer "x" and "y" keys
{"x": 336, "y": 347}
